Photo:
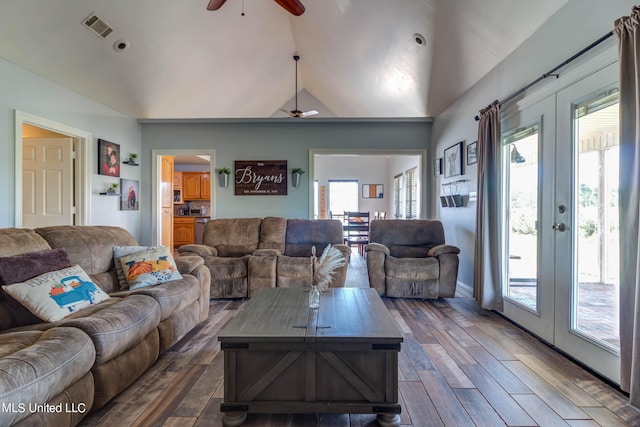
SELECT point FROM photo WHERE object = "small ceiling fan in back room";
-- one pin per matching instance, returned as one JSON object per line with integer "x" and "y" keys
{"x": 294, "y": 7}
{"x": 295, "y": 112}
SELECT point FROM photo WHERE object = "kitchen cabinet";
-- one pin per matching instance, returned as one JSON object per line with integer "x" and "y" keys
{"x": 183, "y": 230}
{"x": 177, "y": 187}
{"x": 196, "y": 186}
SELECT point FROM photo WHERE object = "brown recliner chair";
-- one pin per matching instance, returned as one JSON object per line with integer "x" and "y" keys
{"x": 409, "y": 259}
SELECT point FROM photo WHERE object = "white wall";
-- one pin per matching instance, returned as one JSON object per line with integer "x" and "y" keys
{"x": 576, "y": 25}
{"x": 24, "y": 91}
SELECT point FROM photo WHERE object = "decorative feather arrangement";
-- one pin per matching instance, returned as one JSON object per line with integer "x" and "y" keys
{"x": 324, "y": 267}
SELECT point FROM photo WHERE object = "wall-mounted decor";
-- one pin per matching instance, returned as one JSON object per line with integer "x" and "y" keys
{"x": 472, "y": 153}
{"x": 437, "y": 166}
{"x": 372, "y": 191}
{"x": 130, "y": 194}
{"x": 260, "y": 177}
{"x": 453, "y": 160}
{"x": 296, "y": 174}
{"x": 108, "y": 158}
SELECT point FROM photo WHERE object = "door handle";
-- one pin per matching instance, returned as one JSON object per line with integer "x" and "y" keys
{"x": 559, "y": 226}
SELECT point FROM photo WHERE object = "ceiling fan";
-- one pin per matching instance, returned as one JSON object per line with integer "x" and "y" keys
{"x": 295, "y": 112}
{"x": 294, "y": 7}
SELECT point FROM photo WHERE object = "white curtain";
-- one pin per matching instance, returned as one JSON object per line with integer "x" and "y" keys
{"x": 627, "y": 30}
{"x": 487, "y": 259}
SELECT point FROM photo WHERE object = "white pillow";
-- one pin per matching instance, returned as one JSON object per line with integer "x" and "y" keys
{"x": 53, "y": 296}
{"x": 150, "y": 267}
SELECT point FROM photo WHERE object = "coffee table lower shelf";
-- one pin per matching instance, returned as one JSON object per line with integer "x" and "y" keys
{"x": 300, "y": 378}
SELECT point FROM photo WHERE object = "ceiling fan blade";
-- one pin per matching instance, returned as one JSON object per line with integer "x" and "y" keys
{"x": 294, "y": 7}
{"x": 289, "y": 113}
{"x": 215, "y": 4}
{"x": 309, "y": 113}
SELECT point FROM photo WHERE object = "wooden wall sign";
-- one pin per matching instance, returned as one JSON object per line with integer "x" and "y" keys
{"x": 260, "y": 178}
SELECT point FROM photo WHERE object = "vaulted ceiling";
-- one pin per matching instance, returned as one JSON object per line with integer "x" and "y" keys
{"x": 359, "y": 58}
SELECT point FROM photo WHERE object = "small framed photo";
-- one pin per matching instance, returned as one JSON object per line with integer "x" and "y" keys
{"x": 372, "y": 191}
{"x": 129, "y": 194}
{"x": 453, "y": 160}
{"x": 108, "y": 158}
{"x": 437, "y": 166}
{"x": 472, "y": 153}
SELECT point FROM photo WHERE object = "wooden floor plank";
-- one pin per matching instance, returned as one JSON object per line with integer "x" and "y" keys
{"x": 163, "y": 406}
{"x": 451, "y": 411}
{"x": 552, "y": 397}
{"x": 559, "y": 380}
{"x": 418, "y": 405}
{"x": 449, "y": 369}
{"x": 498, "y": 371}
{"x": 539, "y": 411}
{"x": 478, "y": 408}
{"x": 605, "y": 417}
{"x": 500, "y": 400}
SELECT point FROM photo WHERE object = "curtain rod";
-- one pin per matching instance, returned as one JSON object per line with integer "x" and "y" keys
{"x": 552, "y": 72}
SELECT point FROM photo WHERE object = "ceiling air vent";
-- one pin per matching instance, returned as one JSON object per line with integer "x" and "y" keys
{"x": 97, "y": 26}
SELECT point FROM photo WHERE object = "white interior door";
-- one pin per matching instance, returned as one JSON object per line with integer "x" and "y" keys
{"x": 47, "y": 182}
{"x": 586, "y": 222}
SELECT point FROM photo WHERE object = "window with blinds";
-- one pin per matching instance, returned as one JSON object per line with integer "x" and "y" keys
{"x": 397, "y": 196}
{"x": 411, "y": 194}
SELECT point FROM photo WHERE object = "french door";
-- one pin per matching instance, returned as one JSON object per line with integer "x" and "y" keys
{"x": 560, "y": 227}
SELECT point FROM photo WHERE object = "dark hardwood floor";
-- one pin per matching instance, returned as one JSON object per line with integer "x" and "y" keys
{"x": 459, "y": 366}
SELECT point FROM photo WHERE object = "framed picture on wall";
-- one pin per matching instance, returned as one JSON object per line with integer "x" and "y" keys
{"x": 130, "y": 194}
{"x": 437, "y": 166}
{"x": 372, "y": 191}
{"x": 453, "y": 160}
{"x": 472, "y": 153}
{"x": 108, "y": 158}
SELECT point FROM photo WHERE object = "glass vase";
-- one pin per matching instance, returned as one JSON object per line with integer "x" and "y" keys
{"x": 314, "y": 297}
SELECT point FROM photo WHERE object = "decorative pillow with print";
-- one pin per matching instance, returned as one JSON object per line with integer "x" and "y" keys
{"x": 53, "y": 296}
{"x": 150, "y": 267}
{"x": 121, "y": 251}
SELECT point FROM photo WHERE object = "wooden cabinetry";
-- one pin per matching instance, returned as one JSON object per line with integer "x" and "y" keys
{"x": 177, "y": 187}
{"x": 166, "y": 199}
{"x": 196, "y": 186}
{"x": 183, "y": 230}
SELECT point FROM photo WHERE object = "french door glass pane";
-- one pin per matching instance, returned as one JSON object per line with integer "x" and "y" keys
{"x": 596, "y": 257}
{"x": 520, "y": 161}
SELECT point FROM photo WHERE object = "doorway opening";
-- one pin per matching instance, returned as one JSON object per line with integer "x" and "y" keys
{"x": 161, "y": 190}
{"x": 78, "y": 204}
{"x": 368, "y": 169}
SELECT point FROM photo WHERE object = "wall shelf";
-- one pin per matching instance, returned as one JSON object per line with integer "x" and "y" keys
{"x": 109, "y": 194}
{"x": 131, "y": 163}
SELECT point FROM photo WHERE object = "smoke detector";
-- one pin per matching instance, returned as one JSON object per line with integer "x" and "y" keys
{"x": 97, "y": 26}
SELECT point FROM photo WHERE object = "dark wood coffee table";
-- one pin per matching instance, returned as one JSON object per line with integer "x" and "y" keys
{"x": 282, "y": 357}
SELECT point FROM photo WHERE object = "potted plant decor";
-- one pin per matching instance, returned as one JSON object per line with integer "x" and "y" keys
{"x": 223, "y": 177}
{"x": 296, "y": 173}
{"x": 133, "y": 158}
{"x": 113, "y": 188}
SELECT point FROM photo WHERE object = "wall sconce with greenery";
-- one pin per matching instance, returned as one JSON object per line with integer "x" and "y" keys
{"x": 223, "y": 177}
{"x": 296, "y": 173}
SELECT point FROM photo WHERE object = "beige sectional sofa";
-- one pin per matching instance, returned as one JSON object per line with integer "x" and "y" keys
{"x": 246, "y": 254}
{"x": 85, "y": 359}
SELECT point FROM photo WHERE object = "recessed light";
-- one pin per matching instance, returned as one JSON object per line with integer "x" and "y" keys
{"x": 120, "y": 45}
{"x": 419, "y": 39}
